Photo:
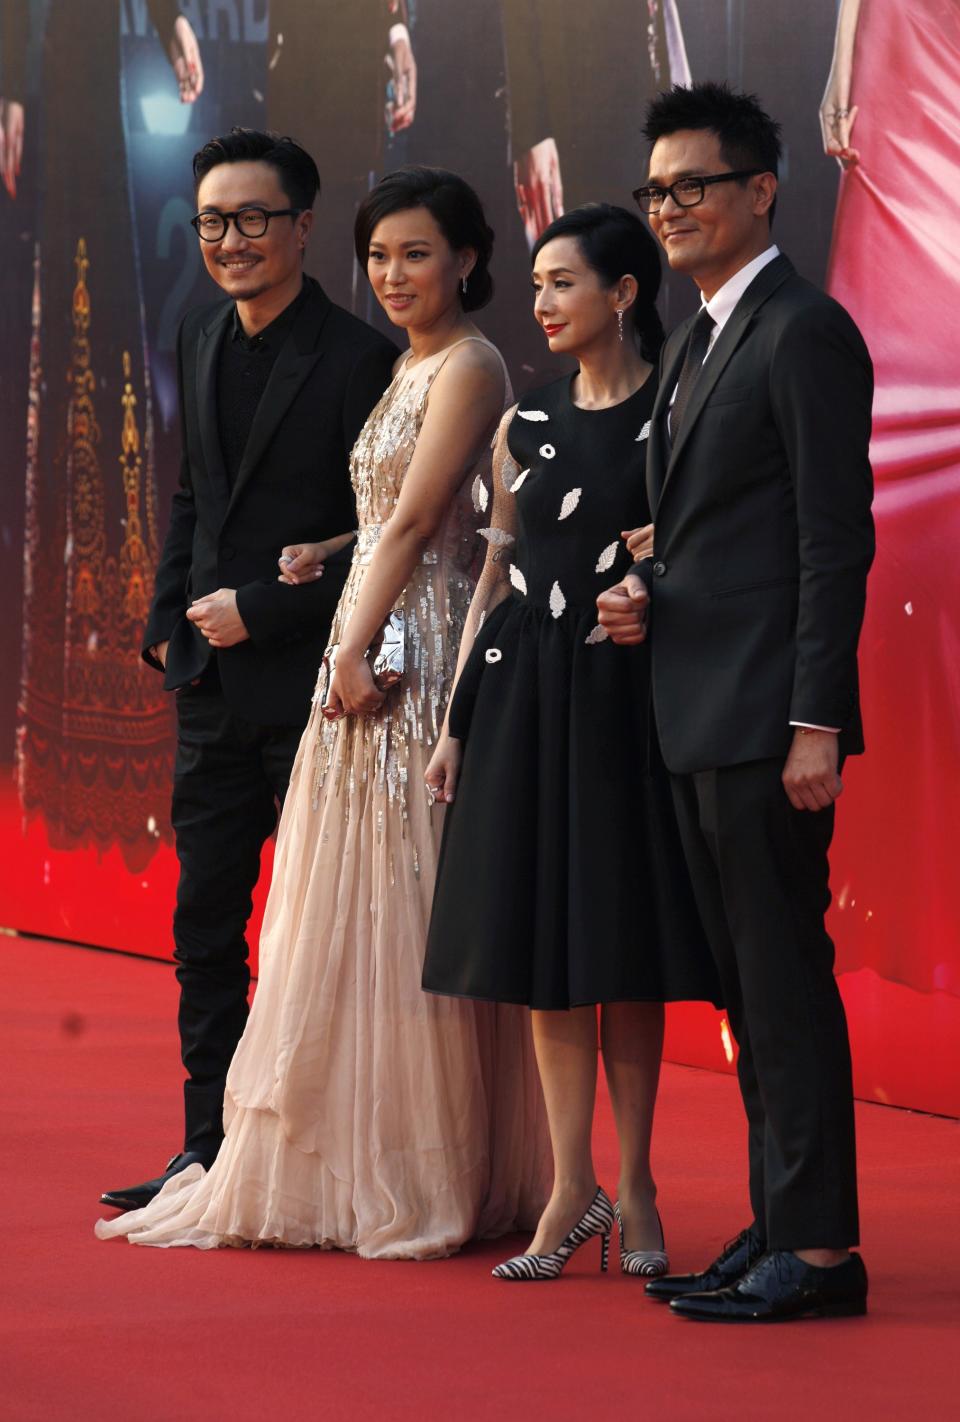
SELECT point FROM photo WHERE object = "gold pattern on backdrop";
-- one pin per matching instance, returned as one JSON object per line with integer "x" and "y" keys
{"x": 94, "y": 745}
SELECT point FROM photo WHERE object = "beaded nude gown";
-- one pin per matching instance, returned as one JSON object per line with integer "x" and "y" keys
{"x": 362, "y": 1113}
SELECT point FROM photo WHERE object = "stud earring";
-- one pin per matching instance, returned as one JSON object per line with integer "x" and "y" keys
{"x": 620, "y": 326}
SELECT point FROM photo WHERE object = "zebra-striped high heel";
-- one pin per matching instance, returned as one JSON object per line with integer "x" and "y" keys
{"x": 650, "y": 1263}
{"x": 598, "y": 1219}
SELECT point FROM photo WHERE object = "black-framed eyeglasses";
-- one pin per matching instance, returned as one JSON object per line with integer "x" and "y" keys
{"x": 249, "y": 221}
{"x": 686, "y": 192}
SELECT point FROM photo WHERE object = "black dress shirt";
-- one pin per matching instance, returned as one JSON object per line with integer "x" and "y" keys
{"x": 242, "y": 375}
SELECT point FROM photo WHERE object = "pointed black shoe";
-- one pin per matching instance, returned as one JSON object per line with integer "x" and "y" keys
{"x": 735, "y": 1259}
{"x": 139, "y": 1195}
{"x": 780, "y": 1287}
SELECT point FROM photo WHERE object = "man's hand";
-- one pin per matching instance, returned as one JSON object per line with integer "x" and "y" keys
{"x": 11, "y": 143}
{"x": 218, "y": 619}
{"x": 184, "y": 52}
{"x": 402, "y": 109}
{"x": 539, "y": 187}
{"x": 810, "y": 774}
{"x": 623, "y": 611}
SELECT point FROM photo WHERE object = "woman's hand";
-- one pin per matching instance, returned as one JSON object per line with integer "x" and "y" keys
{"x": 837, "y": 114}
{"x": 353, "y": 691}
{"x": 184, "y": 52}
{"x": 302, "y": 562}
{"x": 11, "y": 143}
{"x": 402, "y": 109}
{"x": 639, "y": 541}
{"x": 443, "y": 772}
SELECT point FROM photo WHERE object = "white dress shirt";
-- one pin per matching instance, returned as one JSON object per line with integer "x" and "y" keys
{"x": 721, "y": 307}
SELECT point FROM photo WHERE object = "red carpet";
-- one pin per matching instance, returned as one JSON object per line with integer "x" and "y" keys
{"x": 106, "y": 1331}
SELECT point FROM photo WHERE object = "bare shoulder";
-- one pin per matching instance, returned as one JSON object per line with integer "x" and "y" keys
{"x": 473, "y": 371}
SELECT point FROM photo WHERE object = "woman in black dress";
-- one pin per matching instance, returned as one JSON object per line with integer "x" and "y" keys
{"x": 562, "y": 882}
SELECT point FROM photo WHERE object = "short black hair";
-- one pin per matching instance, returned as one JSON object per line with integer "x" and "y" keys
{"x": 615, "y": 243}
{"x": 453, "y": 205}
{"x": 749, "y": 137}
{"x": 295, "y": 168}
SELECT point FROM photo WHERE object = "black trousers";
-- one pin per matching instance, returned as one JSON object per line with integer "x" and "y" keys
{"x": 228, "y": 777}
{"x": 760, "y": 876}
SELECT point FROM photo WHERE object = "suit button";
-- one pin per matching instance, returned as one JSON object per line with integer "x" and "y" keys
{"x": 228, "y": 552}
{"x": 659, "y": 569}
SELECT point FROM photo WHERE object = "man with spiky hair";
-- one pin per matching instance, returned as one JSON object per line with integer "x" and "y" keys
{"x": 760, "y": 486}
{"x": 275, "y": 383}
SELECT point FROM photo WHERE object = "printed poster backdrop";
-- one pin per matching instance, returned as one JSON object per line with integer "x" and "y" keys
{"x": 98, "y": 263}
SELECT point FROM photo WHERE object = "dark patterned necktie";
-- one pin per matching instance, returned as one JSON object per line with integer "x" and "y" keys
{"x": 697, "y": 343}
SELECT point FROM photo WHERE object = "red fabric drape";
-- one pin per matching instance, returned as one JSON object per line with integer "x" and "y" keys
{"x": 895, "y": 265}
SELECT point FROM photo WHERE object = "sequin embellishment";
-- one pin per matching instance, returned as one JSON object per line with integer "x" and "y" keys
{"x": 607, "y": 558}
{"x": 644, "y": 433}
{"x": 535, "y": 415}
{"x": 570, "y": 502}
{"x": 481, "y": 498}
{"x": 518, "y": 481}
{"x": 493, "y": 655}
{"x": 597, "y": 635}
{"x": 557, "y": 601}
{"x": 371, "y": 755}
{"x": 547, "y": 451}
{"x": 518, "y": 580}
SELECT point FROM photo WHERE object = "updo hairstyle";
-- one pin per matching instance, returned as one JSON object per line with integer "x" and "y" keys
{"x": 615, "y": 243}
{"x": 453, "y": 205}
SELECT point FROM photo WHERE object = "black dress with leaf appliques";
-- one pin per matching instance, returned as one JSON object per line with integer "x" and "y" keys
{"x": 562, "y": 879}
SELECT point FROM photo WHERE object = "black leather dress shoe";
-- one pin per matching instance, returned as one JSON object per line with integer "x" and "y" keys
{"x": 781, "y": 1286}
{"x": 139, "y": 1195}
{"x": 735, "y": 1259}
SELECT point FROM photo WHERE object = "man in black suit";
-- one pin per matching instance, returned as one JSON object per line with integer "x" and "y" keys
{"x": 275, "y": 384}
{"x": 761, "y": 489}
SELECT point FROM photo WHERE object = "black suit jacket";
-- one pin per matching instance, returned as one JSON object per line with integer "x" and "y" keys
{"x": 293, "y": 484}
{"x": 764, "y": 535}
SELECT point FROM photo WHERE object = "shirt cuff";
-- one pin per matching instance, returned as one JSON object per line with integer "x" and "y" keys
{"x": 809, "y": 726}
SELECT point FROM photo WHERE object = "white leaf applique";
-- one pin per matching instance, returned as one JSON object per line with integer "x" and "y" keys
{"x": 597, "y": 635}
{"x": 481, "y": 497}
{"x": 644, "y": 433}
{"x": 497, "y": 537}
{"x": 521, "y": 477}
{"x": 547, "y": 451}
{"x": 570, "y": 502}
{"x": 535, "y": 415}
{"x": 557, "y": 600}
{"x": 607, "y": 558}
{"x": 518, "y": 580}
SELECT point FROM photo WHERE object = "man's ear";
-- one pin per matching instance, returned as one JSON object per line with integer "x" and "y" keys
{"x": 764, "y": 192}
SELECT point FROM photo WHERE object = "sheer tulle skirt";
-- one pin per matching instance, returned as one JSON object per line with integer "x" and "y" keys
{"x": 361, "y": 1113}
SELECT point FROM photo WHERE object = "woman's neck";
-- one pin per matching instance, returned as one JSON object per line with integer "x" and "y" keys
{"x": 428, "y": 340}
{"x": 608, "y": 375}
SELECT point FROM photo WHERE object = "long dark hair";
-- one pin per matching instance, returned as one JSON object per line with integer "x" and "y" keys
{"x": 614, "y": 244}
{"x": 453, "y": 205}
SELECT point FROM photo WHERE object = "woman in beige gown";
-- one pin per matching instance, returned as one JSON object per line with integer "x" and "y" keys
{"x": 360, "y": 1112}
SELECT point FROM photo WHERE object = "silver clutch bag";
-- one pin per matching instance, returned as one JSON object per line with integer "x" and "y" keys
{"x": 385, "y": 655}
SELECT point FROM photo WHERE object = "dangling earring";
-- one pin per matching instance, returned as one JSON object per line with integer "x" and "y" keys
{"x": 620, "y": 325}
{"x": 463, "y": 285}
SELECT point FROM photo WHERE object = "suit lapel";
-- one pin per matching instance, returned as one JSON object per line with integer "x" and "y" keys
{"x": 733, "y": 333}
{"x": 208, "y": 352}
{"x": 658, "y": 450}
{"x": 295, "y": 361}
